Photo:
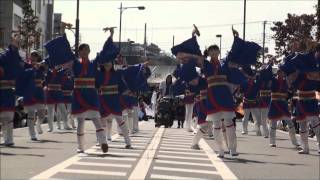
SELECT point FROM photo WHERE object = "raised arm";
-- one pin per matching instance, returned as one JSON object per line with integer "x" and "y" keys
{"x": 234, "y": 32}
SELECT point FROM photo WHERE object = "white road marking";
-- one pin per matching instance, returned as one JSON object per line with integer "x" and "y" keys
{"x": 55, "y": 169}
{"x": 185, "y": 153}
{"x": 93, "y": 151}
{"x": 142, "y": 167}
{"x": 121, "y": 146}
{"x": 181, "y": 157}
{"x": 111, "y": 158}
{"x": 175, "y": 145}
{"x": 183, "y": 163}
{"x": 185, "y": 170}
{"x": 102, "y": 164}
{"x": 170, "y": 142}
{"x": 178, "y": 149}
{"x": 177, "y": 140}
{"x": 108, "y": 173}
{"x": 159, "y": 176}
{"x": 221, "y": 167}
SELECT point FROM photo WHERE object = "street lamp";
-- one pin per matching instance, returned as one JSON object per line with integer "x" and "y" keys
{"x": 220, "y": 37}
{"x": 121, "y": 11}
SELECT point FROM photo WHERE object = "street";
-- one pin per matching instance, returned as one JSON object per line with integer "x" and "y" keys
{"x": 157, "y": 153}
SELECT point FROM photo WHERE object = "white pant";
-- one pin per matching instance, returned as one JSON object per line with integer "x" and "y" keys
{"x": 292, "y": 132}
{"x": 315, "y": 124}
{"x": 107, "y": 124}
{"x": 135, "y": 118}
{"x": 70, "y": 119}
{"x": 230, "y": 130}
{"x": 256, "y": 118}
{"x": 127, "y": 117}
{"x": 188, "y": 116}
{"x": 80, "y": 132}
{"x": 201, "y": 130}
{"x": 6, "y": 118}
{"x": 60, "y": 111}
{"x": 263, "y": 120}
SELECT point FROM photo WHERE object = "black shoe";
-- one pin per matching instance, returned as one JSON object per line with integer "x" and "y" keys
{"x": 9, "y": 144}
{"x": 104, "y": 147}
{"x": 128, "y": 146}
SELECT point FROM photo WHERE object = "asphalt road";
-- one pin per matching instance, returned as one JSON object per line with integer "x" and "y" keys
{"x": 157, "y": 153}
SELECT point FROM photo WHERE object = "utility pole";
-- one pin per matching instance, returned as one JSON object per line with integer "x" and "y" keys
{"x": 145, "y": 39}
{"x": 244, "y": 19}
{"x": 77, "y": 31}
{"x": 172, "y": 40}
{"x": 264, "y": 40}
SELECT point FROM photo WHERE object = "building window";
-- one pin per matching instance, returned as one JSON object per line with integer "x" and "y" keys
{"x": 16, "y": 21}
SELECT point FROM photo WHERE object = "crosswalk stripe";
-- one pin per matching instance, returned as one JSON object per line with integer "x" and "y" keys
{"x": 102, "y": 164}
{"x": 183, "y": 163}
{"x": 181, "y": 157}
{"x": 176, "y": 145}
{"x": 114, "y": 153}
{"x": 185, "y": 153}
{"x": 160, "y": 176}
{"x": 175, "y": 148}
{"x": 177, "y": 140}
{"x": 133, "y": 143}
{"x": 121, "y": 146}
{"x": 170, "y": 142}
{"x": 142, "y": 167}
{"x": 110, "y": 158}
{"x": 184, "y": 170}
{"x": 109, "y": 173}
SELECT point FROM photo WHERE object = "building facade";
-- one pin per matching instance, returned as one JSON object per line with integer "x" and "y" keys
{"x": 11, "y": 15}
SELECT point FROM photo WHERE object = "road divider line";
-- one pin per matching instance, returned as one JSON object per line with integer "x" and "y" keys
{"x": 221, "y": 167}
{"x": 185, "y": 170}
{"x": 142, "y": 167}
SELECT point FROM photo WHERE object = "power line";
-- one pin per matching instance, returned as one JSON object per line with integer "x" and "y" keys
{"x": 179, "y": 27}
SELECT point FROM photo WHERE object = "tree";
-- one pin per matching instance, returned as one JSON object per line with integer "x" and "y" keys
{"x": 28, "y": 29}
{"x": 294, "y": 28}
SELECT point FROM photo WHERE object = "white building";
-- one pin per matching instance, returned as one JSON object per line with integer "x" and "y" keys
{"x": 11, "y": 15}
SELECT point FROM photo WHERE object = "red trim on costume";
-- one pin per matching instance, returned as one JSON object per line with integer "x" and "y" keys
{"x": 84, "y": 69}
{"x": 6, "y": 109}
{"x": 280, "y": 109}
{"x": 278, "y": 118}
{"x": 99, "y": 130}
{"x": 107, "y": 108}
{"x": 81, "y": 101}
{"x": 82, "y": 110}
{"x": 216, "y": 107}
